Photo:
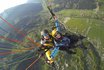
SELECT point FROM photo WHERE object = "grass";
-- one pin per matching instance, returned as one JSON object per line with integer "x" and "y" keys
{"x": 75, "y": 12}
{"x": 92, "y": 14}
{"x": 89, "y": 23}
{"x": 89, "y": 26}
{"x": 81, "y": 26}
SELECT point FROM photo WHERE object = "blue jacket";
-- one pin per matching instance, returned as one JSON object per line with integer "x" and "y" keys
{"x": 57, "y": 25}
{"x": 64, "y": 42}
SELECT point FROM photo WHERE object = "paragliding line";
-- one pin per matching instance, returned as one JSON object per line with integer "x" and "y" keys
{"x": 3, "y": 29}
{"x": 12, "y": 40}
{"x": 34, "y": 62}
{"x": 18, "y": 31}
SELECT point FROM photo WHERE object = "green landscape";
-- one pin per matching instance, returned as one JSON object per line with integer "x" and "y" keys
{"x": 80, "y": 17}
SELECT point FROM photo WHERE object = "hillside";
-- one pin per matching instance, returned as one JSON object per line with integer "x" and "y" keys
{"x": 84, "y": 17}
{"x": 20, "y": 13}
{"x": 89, "y": 23}
{"x": 75, "y": 4}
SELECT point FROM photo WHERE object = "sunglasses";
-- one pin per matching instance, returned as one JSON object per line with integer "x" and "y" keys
{"x": 57, "y": 34}
{"x": 45, "y": 35}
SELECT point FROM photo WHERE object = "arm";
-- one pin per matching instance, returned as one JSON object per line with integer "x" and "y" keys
{"x": 57, "y": 24}
{"x": 42, "y": 47}
{"x": 58, "y": 44}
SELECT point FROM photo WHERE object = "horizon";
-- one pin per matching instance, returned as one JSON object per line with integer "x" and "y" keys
{"x": 5, "y": 4}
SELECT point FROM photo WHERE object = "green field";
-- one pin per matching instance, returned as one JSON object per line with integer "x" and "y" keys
{"x": 90, "y": 25}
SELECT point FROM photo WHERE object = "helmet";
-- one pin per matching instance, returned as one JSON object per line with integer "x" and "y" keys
{"x": 44, "y": 32}
{"x": 54, "y": 32}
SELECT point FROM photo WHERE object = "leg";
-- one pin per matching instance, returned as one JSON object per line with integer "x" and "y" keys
{"x": 50, "y": 60}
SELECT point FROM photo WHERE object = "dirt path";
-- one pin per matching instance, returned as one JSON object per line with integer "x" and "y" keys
{"x": 66, "y": 19}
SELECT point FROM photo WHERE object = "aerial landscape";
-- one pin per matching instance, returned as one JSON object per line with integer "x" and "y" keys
{"x": 23, "y": 29}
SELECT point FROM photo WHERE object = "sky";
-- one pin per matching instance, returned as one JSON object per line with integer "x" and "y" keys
{"x": 5, "y": 4}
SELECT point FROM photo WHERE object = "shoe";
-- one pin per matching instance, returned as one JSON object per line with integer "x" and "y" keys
{"x": 49, "y": 62}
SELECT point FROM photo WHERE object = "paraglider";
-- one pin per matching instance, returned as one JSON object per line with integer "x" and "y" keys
{"x": 50, "y": 43}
